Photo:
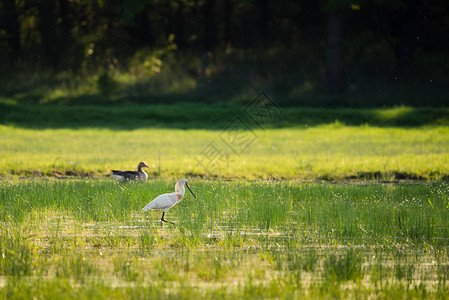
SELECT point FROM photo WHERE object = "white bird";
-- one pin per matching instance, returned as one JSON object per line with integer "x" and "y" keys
{"x": 166, "y": 201}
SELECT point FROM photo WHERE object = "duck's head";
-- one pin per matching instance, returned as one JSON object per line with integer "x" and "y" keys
{"x": 143, "y": 164}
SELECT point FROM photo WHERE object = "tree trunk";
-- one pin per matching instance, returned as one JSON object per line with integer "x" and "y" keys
{"x": 180, "y": 24}
{"x": 12, "y": 31}
{"x": 64, "y": 36}
{"x": 140, "y": 31}
{"x": 210, "y": 26}
{"x": 406, "y": 38}
{"x": 334, "y": 53}
{"x": 263, "y": 20}
{"x": 47, "y": 30}
{"x": 228, "y": 9}
{"x": 65, "y": 21}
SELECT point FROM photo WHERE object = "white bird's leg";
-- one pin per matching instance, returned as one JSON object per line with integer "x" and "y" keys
{"x": 162, "y": 219}
{"x": 163, "y": 213}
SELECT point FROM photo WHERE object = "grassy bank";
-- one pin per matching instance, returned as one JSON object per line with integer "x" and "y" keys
{"x": 326, "y": 152}
{"x": 206, "y": 116}
{"x": 90, "y": 239}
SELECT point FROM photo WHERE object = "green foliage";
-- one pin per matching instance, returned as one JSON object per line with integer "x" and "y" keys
{"x": 74, "y": 266}
{"x": 346, "y": 267}
{"x": 165, "y": 75}
{"x": 106, "y": 83}
{"x": 151, "y": 51}
{"x": 17, "y": 254}
{"x": 70, "y": 251}
{"x": 124, "y": 268}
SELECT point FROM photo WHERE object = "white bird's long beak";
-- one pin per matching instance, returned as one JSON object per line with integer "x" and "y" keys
{"x": 190, "y": 190}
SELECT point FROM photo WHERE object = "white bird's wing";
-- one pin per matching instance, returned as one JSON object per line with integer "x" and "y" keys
{"x": 163, "y": 201}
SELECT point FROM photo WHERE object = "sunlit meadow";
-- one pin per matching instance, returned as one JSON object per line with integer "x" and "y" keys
{"x": 327, "y": 152}
{"x": 306, "y": 209}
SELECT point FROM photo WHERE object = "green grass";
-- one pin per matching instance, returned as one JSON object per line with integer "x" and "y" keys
{"x": 90, "y": 239}
{"x": 216, "y": 116}
{"x": 326, "y": 152}
{"x": 250, "y": 237}
{"x": 302, "y": 143}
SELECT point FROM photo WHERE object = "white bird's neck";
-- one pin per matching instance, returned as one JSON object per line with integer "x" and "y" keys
{"x": 179, "y": 189}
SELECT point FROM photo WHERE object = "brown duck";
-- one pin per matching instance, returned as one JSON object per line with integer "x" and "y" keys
{"x": 131, "y": 175}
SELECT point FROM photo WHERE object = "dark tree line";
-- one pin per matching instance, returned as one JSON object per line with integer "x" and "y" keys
{"x": 55, "y": 34}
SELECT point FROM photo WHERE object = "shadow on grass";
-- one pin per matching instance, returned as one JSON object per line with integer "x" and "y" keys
{"x": 206, "y": 116}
